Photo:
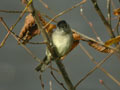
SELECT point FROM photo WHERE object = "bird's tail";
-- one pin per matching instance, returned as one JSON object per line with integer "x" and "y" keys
{"x": 43, "y": 65}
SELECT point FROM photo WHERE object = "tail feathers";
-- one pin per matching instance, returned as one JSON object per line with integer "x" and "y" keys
{"x": 43, "y": 65}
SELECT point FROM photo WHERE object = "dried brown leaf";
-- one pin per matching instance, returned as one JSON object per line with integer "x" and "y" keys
{"x": 76, "y": 36}
{"x": 30, "y": 29}
{"x": 116, "y": 11}
{"x": 112, "y": 41}
{"x": 100, "y": 48}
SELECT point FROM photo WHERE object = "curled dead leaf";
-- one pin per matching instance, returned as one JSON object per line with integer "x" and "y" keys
{"x": 112, "y": 41}
{"x": 116, "y": 11}
{"x": 30, "y": 29}
{"x": 99, "y": 47}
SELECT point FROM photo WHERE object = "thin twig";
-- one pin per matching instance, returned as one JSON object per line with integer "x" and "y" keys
{"x": 28, "y": 50}
{"x": 91, "y": 71}
{"x": 37, "y": 43}
{"x": 14, "y": 11}
{"x": 109, "y": 11}
{"x": 50, "y": 83}
{"x": 102, "y": 69}
{"x": 58, "y": 80}
{"x": 90, "y": 24}
{"x": 113, "y": 5}
{"x": 109, "y": 29}
{"x": 18, "y": 11}
{"x": 48, "y": 17}
{"x": 65, "y": 11}
{"x": 41, "y": 81}
{"x": 54, "y": 69}
{"x": 46, "y": 6}
{"x": 117, "y": 27}
{"x": 13, "y": 26}
{"x": 103, "y": 83}
{"x": 20, "y": 43}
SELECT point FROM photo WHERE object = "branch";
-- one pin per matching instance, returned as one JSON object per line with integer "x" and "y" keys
{"x": 50, "y": 47}
{"x": 41, "y": 81}
{"x": 13, "y": 26}
{"x": 58, "y": 80}
{"x": 65, "y": 11}
{"x": 102, "y": 69}
{"x": 14, "y": 11}
{"x": 91, "y": 71}
{"x": 109, "y": 11}
{"x": 8, "y": 29}
{"x": 104, "y": 84}
{"x": 109, "y": 29}
{"x": 90, "y": 24}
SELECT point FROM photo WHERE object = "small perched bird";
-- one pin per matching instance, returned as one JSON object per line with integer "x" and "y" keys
{"x": 62, "y": 39}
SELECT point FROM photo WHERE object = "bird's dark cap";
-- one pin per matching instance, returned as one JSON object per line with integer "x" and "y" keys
{"x": 62, "y": 23}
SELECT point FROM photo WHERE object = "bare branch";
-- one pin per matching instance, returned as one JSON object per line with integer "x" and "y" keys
{"x": 90, "y": 24}
{"x": 65, "y": 11}
{"x": 13, "y": 26}
{"x": 41, "y": 81}
{"x": 102, "y": 69}
{"x": 50, "y": 83}
{"x": 28, "y": 50}
{"x": 109, "y": 29}
{"x": 9, "y": 11}
{"x": 91, "y": 71}
{"x": 109, "y": 11}
{"x": 58, "y": 80}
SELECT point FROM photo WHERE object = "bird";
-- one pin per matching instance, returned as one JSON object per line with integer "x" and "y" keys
{"x": 62, "y": 40}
